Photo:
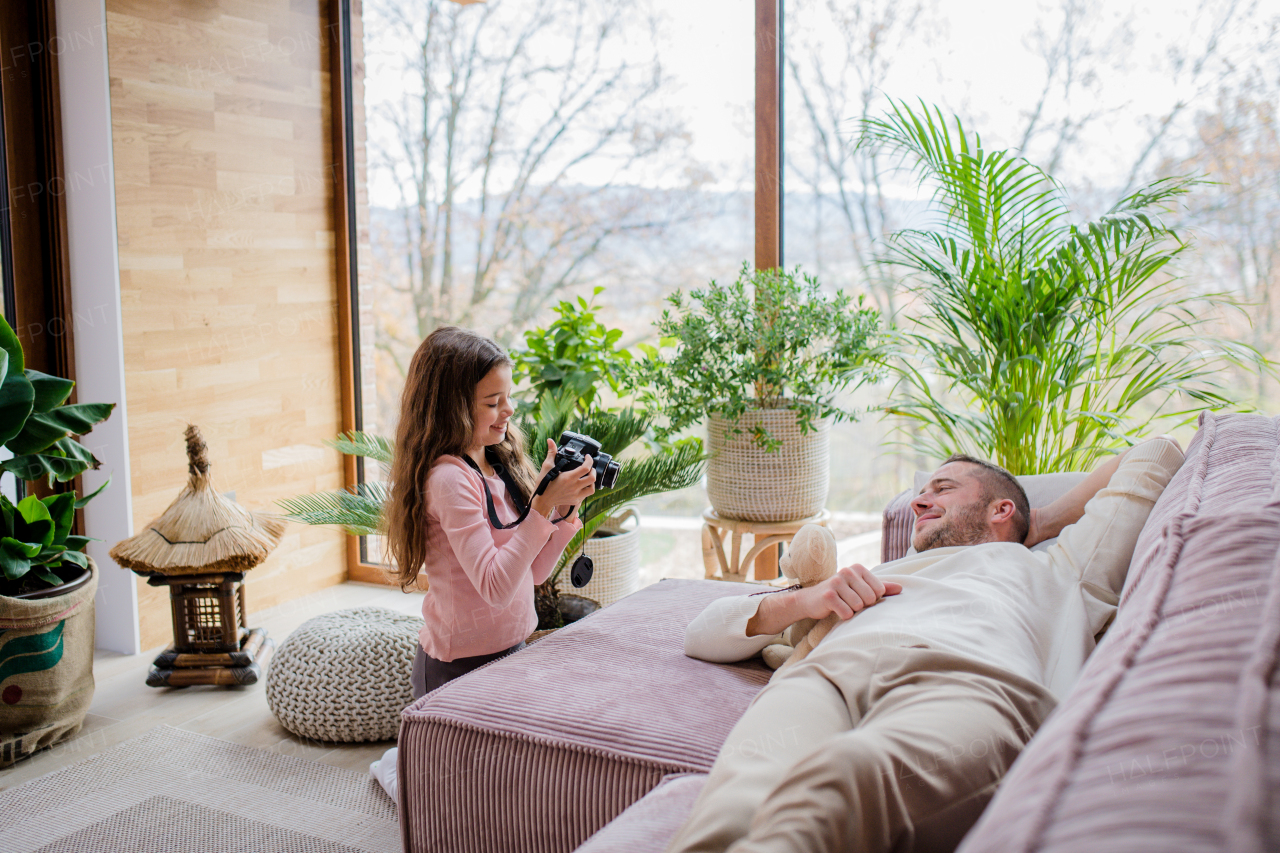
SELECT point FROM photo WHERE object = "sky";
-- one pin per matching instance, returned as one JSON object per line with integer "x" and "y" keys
{"x": 976, "y": 57}
{"x": 973, "y": 57}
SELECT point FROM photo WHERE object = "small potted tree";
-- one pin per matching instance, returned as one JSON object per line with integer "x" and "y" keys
{"x": 47, "y": 582}
{"x": 762, "y": 360}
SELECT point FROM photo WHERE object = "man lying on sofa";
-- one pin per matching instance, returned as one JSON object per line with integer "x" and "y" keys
{"x": 894, "y": 732}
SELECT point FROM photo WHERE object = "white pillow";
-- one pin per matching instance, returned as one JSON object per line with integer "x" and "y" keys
{"x": 1041, "y": 489}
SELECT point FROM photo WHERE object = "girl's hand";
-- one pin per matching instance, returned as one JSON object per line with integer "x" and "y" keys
{"x": 568, "y": 489}
{"x": 549, "y": 461}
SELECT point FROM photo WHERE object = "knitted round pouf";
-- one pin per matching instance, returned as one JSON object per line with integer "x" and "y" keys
{"x": 345, "y": 676}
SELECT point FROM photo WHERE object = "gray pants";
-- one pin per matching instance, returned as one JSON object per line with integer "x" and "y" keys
{"x": 429, "y": 673}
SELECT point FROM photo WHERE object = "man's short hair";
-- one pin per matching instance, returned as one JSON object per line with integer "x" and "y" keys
{"x": 998, "y": 484}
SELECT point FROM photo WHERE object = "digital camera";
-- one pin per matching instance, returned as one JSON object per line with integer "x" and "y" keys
{"x": 574, "y": 448}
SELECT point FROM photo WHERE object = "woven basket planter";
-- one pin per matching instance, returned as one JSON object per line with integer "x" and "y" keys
{"x": 616, "y": 558}
{"x": 745, "y": 482}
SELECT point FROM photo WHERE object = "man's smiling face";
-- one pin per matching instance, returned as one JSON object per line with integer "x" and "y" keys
{"x": 951, "y": 509}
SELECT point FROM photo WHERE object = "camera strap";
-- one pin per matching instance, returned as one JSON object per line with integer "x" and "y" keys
{"x": 582, "y": 570}
{"x": 513, "y": 489}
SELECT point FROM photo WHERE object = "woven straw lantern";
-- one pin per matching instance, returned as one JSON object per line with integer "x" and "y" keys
{"x": 201, "y": 532}
{"x": 200, "y": 547}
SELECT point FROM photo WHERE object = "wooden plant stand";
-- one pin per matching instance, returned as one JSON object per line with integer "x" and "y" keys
{"x": 212, "y": 644}
{"x": 765, "y": 535}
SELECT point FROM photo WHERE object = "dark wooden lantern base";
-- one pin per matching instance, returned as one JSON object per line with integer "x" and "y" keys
{"x": 212, "y": 642}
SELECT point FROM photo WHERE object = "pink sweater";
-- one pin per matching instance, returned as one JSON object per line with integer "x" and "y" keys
{"x": 480, "y": 599}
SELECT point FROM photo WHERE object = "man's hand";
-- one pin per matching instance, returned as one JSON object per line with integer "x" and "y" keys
{"x": 845, "y": 593}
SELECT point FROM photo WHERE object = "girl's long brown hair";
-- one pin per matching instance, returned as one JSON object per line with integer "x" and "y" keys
{"x": 435, "y": 421}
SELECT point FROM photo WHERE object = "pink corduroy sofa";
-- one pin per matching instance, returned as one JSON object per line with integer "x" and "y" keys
{"x": 599, "y": 737}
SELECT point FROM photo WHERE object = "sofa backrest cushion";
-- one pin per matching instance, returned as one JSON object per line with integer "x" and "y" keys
{"x": 895, "y": 526}
{"x": 898, "y": 519}
{"x": 1169, "y": 739}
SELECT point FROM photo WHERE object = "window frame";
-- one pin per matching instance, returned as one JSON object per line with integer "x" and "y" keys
{"x": 768, "y": 215}
{"x": 346, "y": 228}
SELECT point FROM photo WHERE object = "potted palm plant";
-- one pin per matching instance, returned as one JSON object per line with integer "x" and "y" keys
{"x": 47, "y": 582}
{"x": 762, "y": 360}
{"x": 614, "y": 550}
{"x": 1042, "y": 343}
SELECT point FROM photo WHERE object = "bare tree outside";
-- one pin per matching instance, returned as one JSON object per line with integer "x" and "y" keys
{"x": 1236, "y": 217}
{"x": 1081, "y": 48}
{"x": 1085, "y": 122}
{"x": 839, "y": 58}
{"x": 521, "y": 141}
{"x": 1088, "y": 48}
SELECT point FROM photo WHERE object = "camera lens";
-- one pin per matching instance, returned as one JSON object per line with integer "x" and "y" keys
{"x": 606, "y": 477}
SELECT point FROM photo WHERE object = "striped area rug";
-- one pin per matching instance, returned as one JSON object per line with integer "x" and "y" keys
{"x": 172, "y": 791}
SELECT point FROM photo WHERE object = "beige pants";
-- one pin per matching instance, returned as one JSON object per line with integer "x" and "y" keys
{"x": 889, "y": 749}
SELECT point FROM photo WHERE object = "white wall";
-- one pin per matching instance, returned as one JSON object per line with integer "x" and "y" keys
{"x": 81, "y": 50}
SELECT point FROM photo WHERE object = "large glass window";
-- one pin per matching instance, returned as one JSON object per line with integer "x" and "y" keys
{"x": 521, "y": 152}
{"x": 1105, "y": 96}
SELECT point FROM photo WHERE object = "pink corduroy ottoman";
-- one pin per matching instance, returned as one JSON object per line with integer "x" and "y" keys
{"x": 536, "y": 752}
{"x": 651, "y": 821}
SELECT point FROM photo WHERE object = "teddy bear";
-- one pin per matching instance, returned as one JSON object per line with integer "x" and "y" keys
{"x": 810, "y": 559}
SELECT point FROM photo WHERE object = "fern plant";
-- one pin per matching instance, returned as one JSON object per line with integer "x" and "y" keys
{"x": 358, "y": 511}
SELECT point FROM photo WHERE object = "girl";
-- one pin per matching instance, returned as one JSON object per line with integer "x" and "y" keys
{"x": 455, "y": 439}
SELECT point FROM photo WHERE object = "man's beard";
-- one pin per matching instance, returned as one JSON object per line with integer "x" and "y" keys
{"x": 961, "y": 526}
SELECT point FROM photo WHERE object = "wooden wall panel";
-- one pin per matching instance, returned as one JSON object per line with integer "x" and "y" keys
{"x": 225, "y": 186}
